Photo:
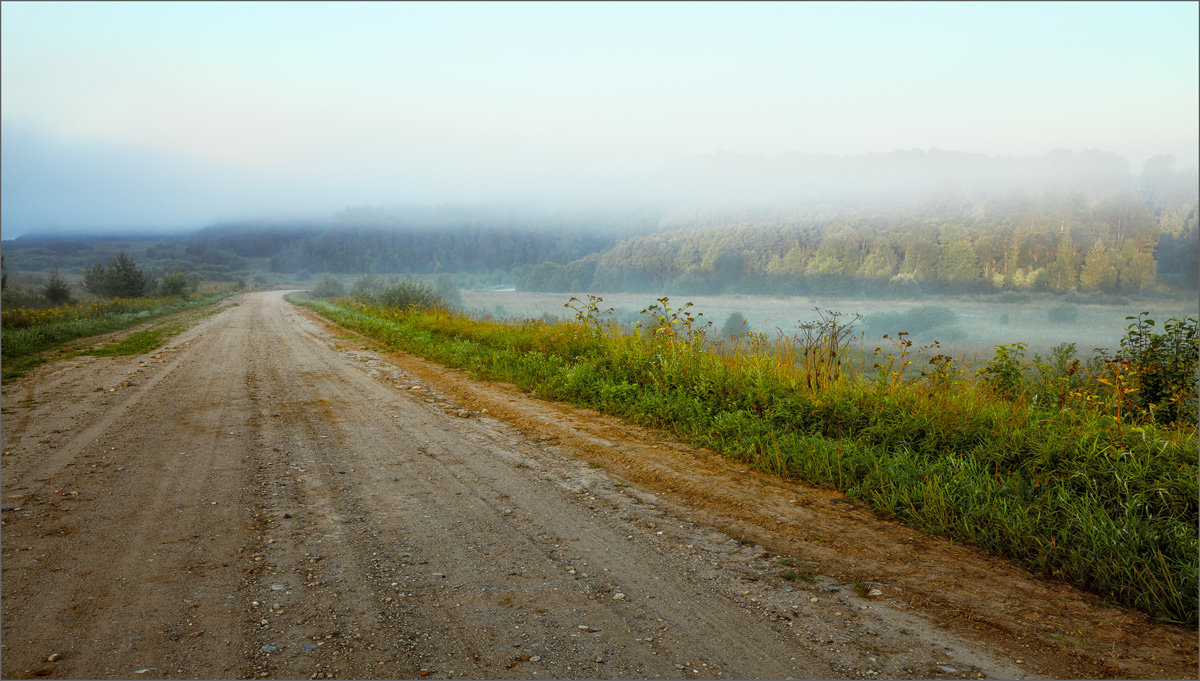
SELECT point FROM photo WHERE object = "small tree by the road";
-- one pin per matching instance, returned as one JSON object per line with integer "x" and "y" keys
{"x": 57, "y": 290}
{"x": 328, "y": 287}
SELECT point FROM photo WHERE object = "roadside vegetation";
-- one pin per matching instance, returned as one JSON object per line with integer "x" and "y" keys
{"x": 1083, "y": 469}
{"x": 28, "y": 334}
{"x": 116, "y": 296}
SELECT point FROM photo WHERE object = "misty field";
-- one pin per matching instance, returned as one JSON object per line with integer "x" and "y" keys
{"x": 980, "y": 323}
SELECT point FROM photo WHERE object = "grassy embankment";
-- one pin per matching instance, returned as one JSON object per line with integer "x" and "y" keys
{"x": 29, "y": 336}
{"x": 1070, "y": 491}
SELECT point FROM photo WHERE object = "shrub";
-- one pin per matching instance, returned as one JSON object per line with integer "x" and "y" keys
{"x": 328, "y": 287}
{"x": 176, "y": 284}
{"x": 367, "y": 285}
{"x": 1002, "y": 374}
{"x": 397, "y": 295}
{"x": 1165, "y": 366}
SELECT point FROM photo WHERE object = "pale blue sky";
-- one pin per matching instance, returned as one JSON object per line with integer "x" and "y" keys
{"x": 377, "y": 94}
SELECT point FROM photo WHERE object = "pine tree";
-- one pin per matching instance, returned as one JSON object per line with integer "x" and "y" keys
{"x": 57, "y": 290}
{"x": 123, "y": 279}
{"x": 94, "y": 279}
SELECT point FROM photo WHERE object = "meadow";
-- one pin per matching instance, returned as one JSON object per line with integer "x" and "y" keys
{"x": 1050, "y": 461}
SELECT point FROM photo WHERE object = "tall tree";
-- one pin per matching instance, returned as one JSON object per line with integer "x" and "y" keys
{"x": 1099, "y": 272}
{"x": 1135, "y": 267}
{"x": 94, "y": 279}
{"x": 959, "y": 266}
{"x": 1062, "y": 274}
{"x": 123, "y": 279}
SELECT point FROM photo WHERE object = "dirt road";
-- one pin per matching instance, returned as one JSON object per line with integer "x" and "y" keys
{"x": 268, "y": 496}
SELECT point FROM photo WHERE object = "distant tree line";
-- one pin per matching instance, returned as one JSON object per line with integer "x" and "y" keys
{"x": 444, "y": 239}
{"x": 1057, "y": 242}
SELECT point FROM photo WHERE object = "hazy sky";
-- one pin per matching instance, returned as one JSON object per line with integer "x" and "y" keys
{"x": 315, "y": 105}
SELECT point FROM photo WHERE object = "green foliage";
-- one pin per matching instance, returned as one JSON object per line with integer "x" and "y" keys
{"x": 328, "y": 287}
{"x": 139, "y": 342}
{"x": 367, "y": 285}
{"x": 589, "y": 313}
{"x": 675, "y": 324}
{"x": 1065, "y": 491}
{"x": 396, "y": 295}
{"x": 28, "y": 334}
{"x": 1003, "y": 374}
{"x": 121, "y": 278}
{"x": 1165, "y": 366}
{"x": 176, "y": 284}
{"x": 56, "y": 290}
{"x": 1099, "y": 270}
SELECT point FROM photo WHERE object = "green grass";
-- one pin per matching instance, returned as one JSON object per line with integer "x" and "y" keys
{"x": 139, "y": 342}
{"x": 1064, "y": 492}
{"x": 146, "y": 340}
{"x": 31, "y": 338}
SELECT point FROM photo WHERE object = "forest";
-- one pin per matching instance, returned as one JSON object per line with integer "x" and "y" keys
{"x": 1056, "y": 242}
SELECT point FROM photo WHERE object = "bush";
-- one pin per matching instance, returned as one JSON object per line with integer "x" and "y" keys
{"x": 328, "y": 287}
{"x": 397, "y": 295}
{"x": 1164, "y": 365}
{"x": 1003, "y": 374}
{"x": 367, "y": 285}
{"x": 176, "y": 284}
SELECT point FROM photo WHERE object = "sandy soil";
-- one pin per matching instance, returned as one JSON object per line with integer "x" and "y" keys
{"x": 270, "y": 496}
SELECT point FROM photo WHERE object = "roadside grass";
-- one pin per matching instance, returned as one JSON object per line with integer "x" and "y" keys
{"x": 140, "y": 342}
{"x": 31, "y": 337}
{"x": 1068, "y": 491}
{"x": 148, "y": 339}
